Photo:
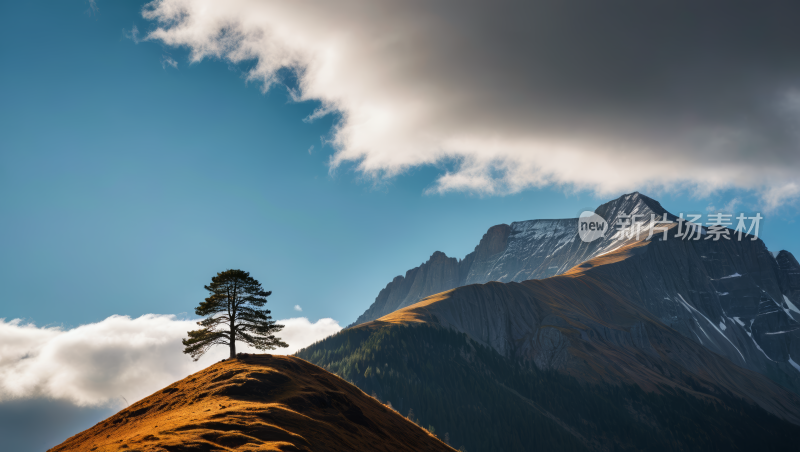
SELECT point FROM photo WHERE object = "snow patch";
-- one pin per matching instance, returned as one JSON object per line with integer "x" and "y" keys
{"x": 790, "y": 304}
{"x": 690, "y": 308}
{"x": 769, "y": 312}
{"x": 722, "y": 326}
{"x": 735, "y": 275}
{"x": 738, "y": 321}
{"x": 794, "y": 364}
{"x": 762, "y": 351}
{"x": 780, "y": 332}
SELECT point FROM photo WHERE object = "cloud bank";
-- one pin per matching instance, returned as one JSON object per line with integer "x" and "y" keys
{"x": 502, "y": 96}
{"x": 100, "y": 363}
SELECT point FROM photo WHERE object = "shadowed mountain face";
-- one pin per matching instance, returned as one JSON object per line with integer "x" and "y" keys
{"x": 256, "y": 403}
{"x": 732, "y": 297}
{"x": 618, "y": 353}
{"x": 487, "y": 402}
{"x": 581, "y": 324}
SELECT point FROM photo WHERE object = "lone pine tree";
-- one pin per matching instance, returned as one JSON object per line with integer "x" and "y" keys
{"x": 233, "y": 313}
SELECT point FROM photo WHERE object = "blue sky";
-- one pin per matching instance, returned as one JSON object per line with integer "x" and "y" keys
{"x": 127, "y": 182}
{"x": 126, "y": 185}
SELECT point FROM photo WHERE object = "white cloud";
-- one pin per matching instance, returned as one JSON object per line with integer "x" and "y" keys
{"x": 300, "y": 333}
{"x": 93, "y": 10}
{"x": 298, "y": 308}
{"x": 780, "y": 194}
{"x": 166, "y": 60}
{"x": 504, "y": 99}
{"x": 132, "y": 34}
{"x": 731, "y": 205}
{"x": 98, "y": 363}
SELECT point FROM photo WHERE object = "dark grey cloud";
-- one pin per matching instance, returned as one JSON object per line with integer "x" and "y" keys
{"x": 598, "y": 95}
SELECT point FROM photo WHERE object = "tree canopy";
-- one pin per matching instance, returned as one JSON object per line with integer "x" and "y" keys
{"x": 234, "y": 312}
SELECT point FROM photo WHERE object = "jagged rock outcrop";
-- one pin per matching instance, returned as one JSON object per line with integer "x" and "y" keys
{"x": 438, "y": 274}
{"x": 533, "y": 249}
{"x": 789, "y": 278}
{"x": 591, "y": 324}
{"x": 724, "y": 295}
{"x": 733, "y": 297}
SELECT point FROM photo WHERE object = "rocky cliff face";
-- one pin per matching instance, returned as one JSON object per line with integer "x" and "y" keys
{"x": 732, "y": 297}
{"x": 593, "y": 324}
{"x": 789, "y": 278}
{"x": 728, "y": 296}
{"x": 534, "y": 249}
{"x": 438, "y": 274}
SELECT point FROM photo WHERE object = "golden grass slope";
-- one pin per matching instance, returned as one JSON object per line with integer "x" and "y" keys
{"x": 256, "y": 403}
{"x": 423, "y": 311}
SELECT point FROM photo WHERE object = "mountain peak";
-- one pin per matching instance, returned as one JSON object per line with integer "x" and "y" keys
{"x": 438, "y": 255}
{"x": 630, "y": 204}
{"x": 532, "y": 249}
{"x": 786, "y": 258}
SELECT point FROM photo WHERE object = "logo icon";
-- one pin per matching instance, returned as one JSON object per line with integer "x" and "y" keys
{"x": 591, "y": 226}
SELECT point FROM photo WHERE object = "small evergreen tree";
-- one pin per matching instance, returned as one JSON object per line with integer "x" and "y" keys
{"x": 232, "y": 314}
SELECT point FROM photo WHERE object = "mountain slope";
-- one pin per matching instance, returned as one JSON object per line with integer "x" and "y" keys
{"x": 256, "y": 402}
{"x": 534, "y": 249}
{"x": 582, "y": 325}
{"x": 487, "y": 402}
{"x": 573, "y": 362}
{"x": 733, "y": 297}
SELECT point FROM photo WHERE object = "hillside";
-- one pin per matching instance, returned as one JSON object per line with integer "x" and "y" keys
{"x": 256, "y": 403}
{"x": 581, "y": 324}
{"x": 581, "y": 361}
{"x": 486, "y": 402}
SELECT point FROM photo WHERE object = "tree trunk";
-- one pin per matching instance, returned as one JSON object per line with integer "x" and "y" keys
{"x": 233, "y": 342}
{"x": 232, "y": 311}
